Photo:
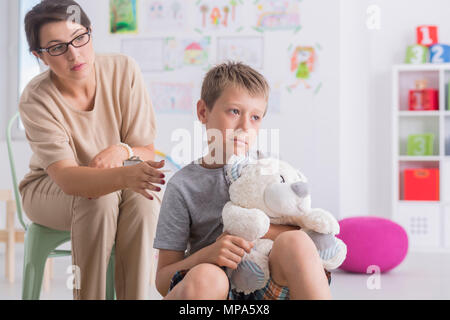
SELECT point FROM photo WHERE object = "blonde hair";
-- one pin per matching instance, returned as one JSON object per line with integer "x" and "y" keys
{"x": 235, "y": 74}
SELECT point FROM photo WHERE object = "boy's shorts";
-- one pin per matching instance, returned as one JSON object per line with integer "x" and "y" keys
{"x": 271, "y": 291}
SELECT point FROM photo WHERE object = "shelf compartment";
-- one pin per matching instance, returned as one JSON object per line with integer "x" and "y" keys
{"x": 407, "y": 82}
{"x": 418, "y": 125}
{"x": 446, "y": 181}
{"x": 447, "y": 135}
{"x": 404, "y": 165}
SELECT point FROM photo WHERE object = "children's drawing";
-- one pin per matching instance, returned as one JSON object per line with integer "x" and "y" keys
{"x": 249, "y": 50}
{"x": 277, "y": 14}
{"x": 181, "y": 53}
{"x": 303, "y": 67}
{"x": 171, "y": 97}
{"x": 123, "y": 16}
{"x": 160, "y": 15}
{"x": 148, "y": 53}
{"x": 219, "y": 14}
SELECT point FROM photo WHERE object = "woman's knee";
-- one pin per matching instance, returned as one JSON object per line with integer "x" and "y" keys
{"x": 205, "y": 281}
{"x": 101, "y": 209}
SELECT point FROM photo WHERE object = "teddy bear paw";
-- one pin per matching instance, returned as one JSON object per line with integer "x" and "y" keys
{"x": 321, "y": 221}
{"x": 333, "y": 257}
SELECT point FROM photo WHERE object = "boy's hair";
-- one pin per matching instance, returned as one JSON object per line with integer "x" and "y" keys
{"x": 235, "y": 74}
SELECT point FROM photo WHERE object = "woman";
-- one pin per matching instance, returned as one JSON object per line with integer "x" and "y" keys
{"x": 84, "y": 117}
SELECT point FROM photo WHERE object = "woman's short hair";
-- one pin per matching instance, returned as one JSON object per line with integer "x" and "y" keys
{"x": 48, "y": 11}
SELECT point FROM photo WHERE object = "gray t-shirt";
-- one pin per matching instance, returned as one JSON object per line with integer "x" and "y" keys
{"x": 191, "y": 211}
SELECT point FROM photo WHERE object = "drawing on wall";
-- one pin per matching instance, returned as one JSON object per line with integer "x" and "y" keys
{"x": 160, "y": 15}
{"x": 249, "y": 50}
{"x": 186, "y": 52}
{"x": 219, "y": 14}
{"x": 123, "y": 16}
{"x": 148, "y": 53}
{"x": 172, "y": 97}
{"x": 303, "y": 68}
{"x": 276, "y": 14}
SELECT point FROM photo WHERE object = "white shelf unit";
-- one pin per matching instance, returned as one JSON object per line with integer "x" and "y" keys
{"x": 426, "y": 222}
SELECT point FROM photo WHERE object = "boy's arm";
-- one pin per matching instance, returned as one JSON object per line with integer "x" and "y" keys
{"x": 227, "y": 251}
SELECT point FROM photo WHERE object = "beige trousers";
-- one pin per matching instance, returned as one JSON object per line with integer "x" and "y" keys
{"x": 123, "y": 218}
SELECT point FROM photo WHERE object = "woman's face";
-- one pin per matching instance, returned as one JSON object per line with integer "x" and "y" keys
{"x": 76, "y": 63}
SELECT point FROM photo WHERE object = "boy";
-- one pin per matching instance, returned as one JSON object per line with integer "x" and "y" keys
{"x": 193, "y": 249}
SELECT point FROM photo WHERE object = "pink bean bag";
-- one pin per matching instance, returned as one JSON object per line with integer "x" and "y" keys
{"x": 372, "y": 241}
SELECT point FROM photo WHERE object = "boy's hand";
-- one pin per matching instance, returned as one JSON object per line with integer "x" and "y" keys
{"x": 228, "y": 251}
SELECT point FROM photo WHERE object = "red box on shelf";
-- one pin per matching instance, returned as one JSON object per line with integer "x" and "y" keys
{"x": 423, "y": 99}
{"x": 421, "y": 185}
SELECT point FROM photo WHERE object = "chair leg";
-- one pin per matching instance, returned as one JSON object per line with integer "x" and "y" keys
{"x": 39, "y": 242}
{"x": 110, "y": 290}
{"x": 11, "y": 242}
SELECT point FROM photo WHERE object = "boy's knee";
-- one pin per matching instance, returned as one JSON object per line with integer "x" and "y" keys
{"x": 295, "y": 242}
{"x": 205, "y": 281}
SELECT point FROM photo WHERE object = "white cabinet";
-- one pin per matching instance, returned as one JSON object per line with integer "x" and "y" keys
{"x": 426, "y": 222}
{"x": 421, "y": 222}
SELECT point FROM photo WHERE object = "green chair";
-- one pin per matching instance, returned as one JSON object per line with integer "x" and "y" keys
{"x": 41, "y": 242}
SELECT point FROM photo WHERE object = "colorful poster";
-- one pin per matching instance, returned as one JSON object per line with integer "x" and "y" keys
{"x": 161, "y": 15}
{"x": 276, "y": 14}
{"x": 172, "y": 97}
{"x": 186, "y": 52}
{"x": 249, "y": 50}
{"x": 303, "y": 68}
{"x": 148, "y": 53}
{"x": 123, "y": 16}
{"x": 219, "y": 14}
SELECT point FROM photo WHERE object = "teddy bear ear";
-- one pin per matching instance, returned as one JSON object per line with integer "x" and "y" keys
{"x": 302, "y": 176}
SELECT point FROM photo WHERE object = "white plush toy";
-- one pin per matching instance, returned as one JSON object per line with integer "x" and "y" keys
{"x": 266, "y": 191}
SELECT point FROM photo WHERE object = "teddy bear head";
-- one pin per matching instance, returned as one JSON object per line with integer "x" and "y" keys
{"x": 268, "y": 184}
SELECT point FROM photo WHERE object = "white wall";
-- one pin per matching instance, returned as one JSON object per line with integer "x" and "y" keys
{"x": 340, "y": 138}
{"x": 354, "y": 121}
{"x": 3, "y": 62}
{"x": 309, "y": 125}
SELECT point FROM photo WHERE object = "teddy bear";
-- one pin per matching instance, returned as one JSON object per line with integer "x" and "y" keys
{"x": 268, "y": 191}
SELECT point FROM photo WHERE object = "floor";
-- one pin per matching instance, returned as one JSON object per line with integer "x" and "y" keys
{"x": 420, "y": 276}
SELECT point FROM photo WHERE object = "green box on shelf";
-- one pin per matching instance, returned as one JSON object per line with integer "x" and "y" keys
{"x": 420, "y": 144}
{"x": 448, "y": 96}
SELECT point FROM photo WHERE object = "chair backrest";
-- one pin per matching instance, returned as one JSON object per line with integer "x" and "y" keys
{"x": 13, "y": 169}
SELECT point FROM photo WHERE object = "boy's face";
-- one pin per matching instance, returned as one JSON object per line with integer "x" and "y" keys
{"x": 234, "y": 121}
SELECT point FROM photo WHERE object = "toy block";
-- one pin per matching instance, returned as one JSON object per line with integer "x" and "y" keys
{"x": 440, "y": 53}
{"x": 416, "y": 54}
{"x": 427, "y": 35}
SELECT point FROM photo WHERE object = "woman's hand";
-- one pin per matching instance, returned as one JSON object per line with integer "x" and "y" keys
{"x": 144, "y": 176}
{"x": 228, "y": 251}
{"x": 111, "y": 157}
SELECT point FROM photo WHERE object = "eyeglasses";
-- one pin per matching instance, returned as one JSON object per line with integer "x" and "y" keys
{"x": 61, "y": 48}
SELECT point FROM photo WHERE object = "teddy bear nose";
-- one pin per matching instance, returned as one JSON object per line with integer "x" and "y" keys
{"x": 300, "y": 189}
